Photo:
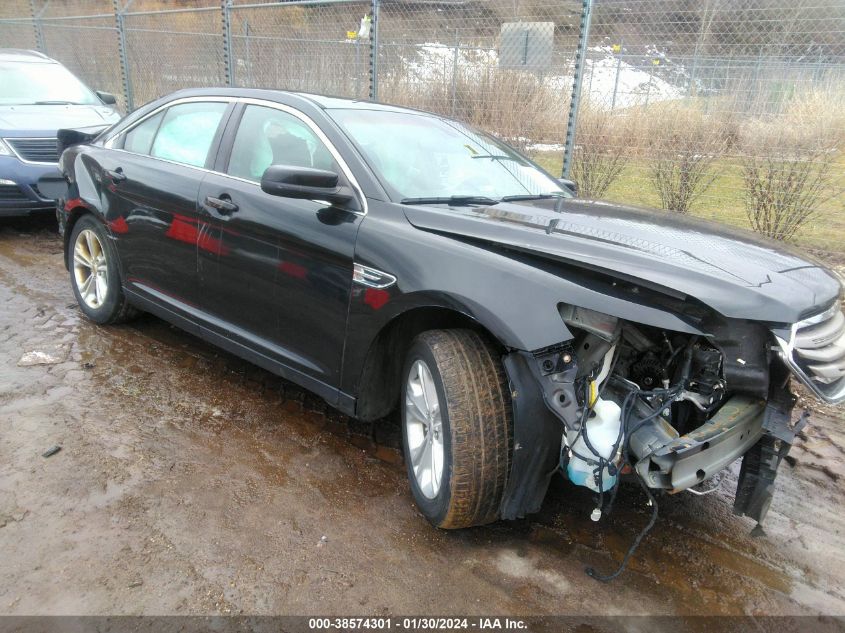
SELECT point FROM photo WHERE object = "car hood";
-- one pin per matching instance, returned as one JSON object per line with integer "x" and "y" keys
{"x": 45, "y": 120}
{"x": 734, "y": 272}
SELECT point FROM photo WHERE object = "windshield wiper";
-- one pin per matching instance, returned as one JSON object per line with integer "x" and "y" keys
{"x": 496, "y": 157}
{"x": 55, "y": 103}
{"x": 536, "y": 196}
{"x": 452, "y": 200}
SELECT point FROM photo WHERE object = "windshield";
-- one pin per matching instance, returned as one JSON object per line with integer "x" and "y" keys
{"x": 420, "y": 156}
{"x": 25, "y": 83}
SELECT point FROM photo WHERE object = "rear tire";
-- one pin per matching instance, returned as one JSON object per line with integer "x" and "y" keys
{"x": 95, "y": 273}
{"x": 473, "y": 417}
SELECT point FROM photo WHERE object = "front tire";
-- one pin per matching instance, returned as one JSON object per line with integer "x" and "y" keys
{"x": 456, "y": 427}
{"x": 95, "y": 274}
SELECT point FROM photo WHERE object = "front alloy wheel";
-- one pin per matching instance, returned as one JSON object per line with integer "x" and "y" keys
{"x": 456, "y": 427}
{"x": 424, "y": 429}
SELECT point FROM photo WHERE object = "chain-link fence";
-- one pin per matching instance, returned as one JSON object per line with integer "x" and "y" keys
{"x": 305, "y": 46}
{"x": 730, "y": 109}
{"x": 503, "y": 66}
{"x": 169, "y": 49}
{"x": 17, "y": 30}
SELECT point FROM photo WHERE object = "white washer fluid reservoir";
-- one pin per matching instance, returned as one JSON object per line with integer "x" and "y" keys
{"x": 602, "y": 428}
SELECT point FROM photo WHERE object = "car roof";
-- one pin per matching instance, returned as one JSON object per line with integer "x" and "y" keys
{"x": 324, "y": 102}
{"x": 24, "y": 55}
{"x": 330, "y": 103}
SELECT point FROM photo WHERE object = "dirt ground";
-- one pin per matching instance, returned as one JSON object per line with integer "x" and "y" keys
{"x": 190, "y": 482}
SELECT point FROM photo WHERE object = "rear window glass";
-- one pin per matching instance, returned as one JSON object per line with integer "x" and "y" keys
{"x": 187, "y": 131}
{"x": 140, "y": 138}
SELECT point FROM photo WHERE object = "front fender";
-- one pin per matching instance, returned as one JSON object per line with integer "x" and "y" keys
{"x": 515, "y": 298}
{"x": 514, "y": 301}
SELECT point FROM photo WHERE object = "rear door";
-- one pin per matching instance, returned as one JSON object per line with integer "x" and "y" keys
{"x": 283, "y": 272}
{"x": 152, "y": 181}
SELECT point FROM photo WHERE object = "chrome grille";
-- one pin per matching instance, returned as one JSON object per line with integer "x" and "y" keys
{"x": 816, "y": 353}
{"x": 35, "y": 150}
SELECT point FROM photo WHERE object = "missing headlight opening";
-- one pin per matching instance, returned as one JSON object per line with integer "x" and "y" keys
{"x": 669, "y": 410}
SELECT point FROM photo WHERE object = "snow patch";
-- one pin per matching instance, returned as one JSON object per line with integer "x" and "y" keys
{"x": 604, "y": 74}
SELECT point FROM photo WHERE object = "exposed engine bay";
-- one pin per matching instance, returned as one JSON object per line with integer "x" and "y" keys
{"x": 669, "y": 410}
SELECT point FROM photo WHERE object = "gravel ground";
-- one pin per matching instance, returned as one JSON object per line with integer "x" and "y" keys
{"x": 190, "y": 482}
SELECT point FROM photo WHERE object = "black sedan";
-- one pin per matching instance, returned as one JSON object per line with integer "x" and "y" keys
{"x": 388, "y": 258}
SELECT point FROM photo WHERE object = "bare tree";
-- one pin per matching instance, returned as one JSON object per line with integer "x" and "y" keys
{"x": 707, "y": 11}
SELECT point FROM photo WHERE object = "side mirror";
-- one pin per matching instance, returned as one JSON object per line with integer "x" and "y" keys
{"x": 570, "y": 185}
{"x": 107, "y": 97}
{"x": 305, "y": 183}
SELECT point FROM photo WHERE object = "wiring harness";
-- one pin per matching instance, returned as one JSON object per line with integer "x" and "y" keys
{"x": 658, "y": 400}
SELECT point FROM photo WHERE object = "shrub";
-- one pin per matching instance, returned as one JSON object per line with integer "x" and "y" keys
{"x": 602, "y": 152}
{"x": 783, "y": 192}
{"x": 685, "y": 143}
{"x": 787, "y": 167}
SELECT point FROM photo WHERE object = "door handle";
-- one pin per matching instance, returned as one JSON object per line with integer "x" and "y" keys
{"x": 116, "y": 175}
{"x": 224, "y": 206}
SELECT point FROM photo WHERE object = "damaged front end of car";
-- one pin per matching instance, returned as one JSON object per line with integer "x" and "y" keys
{"x": 669, "y": 409}
{"x": 647, "y": 346}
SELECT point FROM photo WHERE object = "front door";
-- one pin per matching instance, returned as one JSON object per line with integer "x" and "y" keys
{"x": 284, "y": 267}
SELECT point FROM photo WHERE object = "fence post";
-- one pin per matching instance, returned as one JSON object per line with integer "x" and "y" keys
{"x": 124, "y": 59}
{"x": 692, "y": 76}
{"x": 577, "y": 79}
{"x": 228, "y": 67}
{"x": 36, "y": 23}
{"x": 454, "y": 89}
{"x": 616, "y": 83}
{"x": 374, "y": 26}
{"x": 248, "y": 56}
{"x": 358, "y": 65}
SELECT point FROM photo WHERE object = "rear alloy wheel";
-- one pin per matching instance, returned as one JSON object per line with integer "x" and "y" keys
{"x": 94, "y": 274}
{"x": 90, "y": 269}
{"x": 456, "y": 427}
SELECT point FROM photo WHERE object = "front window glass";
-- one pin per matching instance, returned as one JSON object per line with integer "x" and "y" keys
{"x": 267, "y": 136}
{"x": 424, "y": 156}
{"x": 36, "y": 83}
{"x": 187, "y": 131}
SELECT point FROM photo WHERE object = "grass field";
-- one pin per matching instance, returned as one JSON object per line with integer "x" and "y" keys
{"x": 724, "y": 201}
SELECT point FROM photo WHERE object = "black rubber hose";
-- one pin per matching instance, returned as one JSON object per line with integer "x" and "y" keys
{"x": 627, "y": 408}
{"x": 594, "y": 574}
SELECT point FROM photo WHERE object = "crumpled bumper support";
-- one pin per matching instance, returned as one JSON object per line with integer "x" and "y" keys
{"x": 758, "y": 431}
{"x": 677, "y": 463}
